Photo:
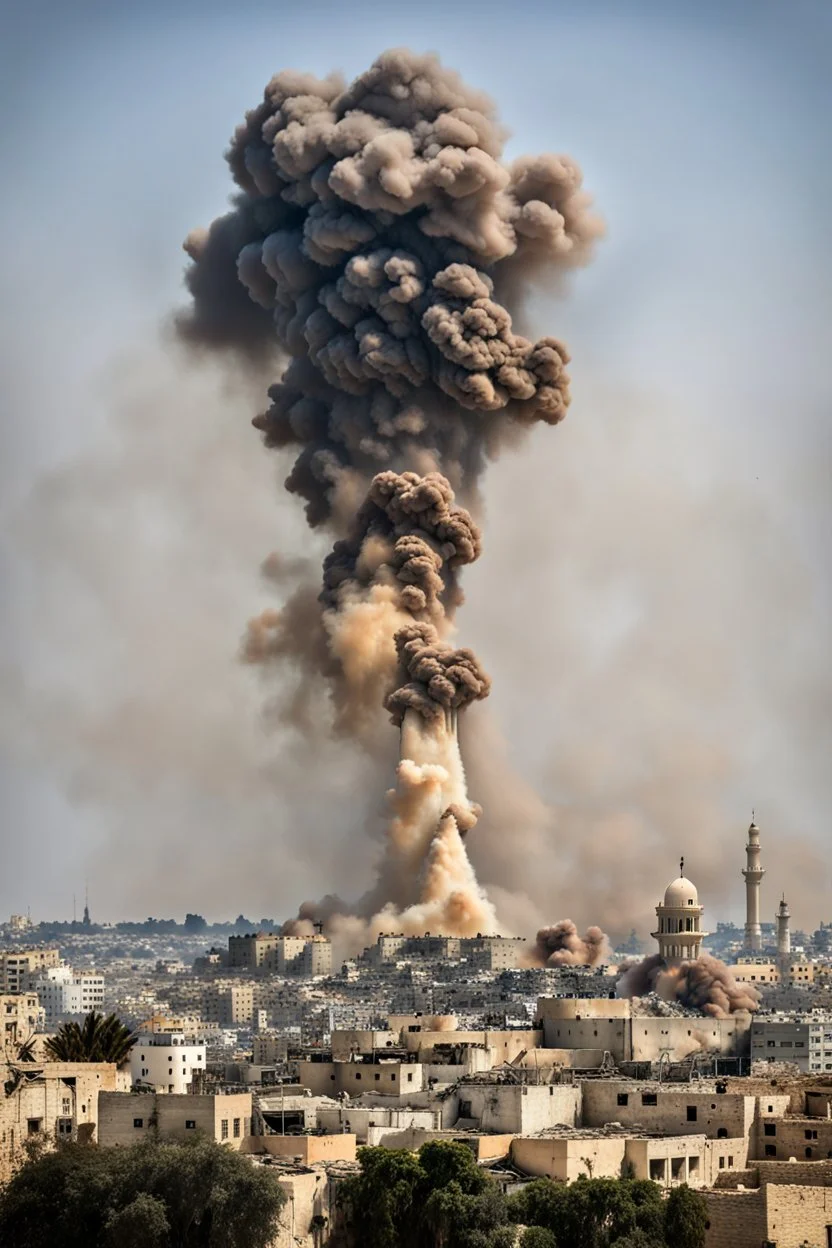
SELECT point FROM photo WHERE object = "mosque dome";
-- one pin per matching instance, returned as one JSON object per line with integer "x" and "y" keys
{"x": 681, "y": 892}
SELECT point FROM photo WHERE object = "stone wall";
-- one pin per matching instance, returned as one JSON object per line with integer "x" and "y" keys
{"x": 737, "y": 1219}
{"x": 673, "y": 1113}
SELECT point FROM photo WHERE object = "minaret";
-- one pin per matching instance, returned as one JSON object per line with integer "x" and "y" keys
{"x": 784, "y": 940}
{"x": 753, "y": 873}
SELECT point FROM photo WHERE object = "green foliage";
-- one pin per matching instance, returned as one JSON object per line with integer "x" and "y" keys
{"x": 686, "y": 1218}
{"x": 96, "y": 1039}
{"x": 152, "y": 1195}
{"x": 141, "y": 1224}
{"x": 593, "y": 1213}
{"x": 537, "y": 1237}
{"x": 440, "y": 1198}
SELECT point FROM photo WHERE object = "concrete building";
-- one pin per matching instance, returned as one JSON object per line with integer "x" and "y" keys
{"x": 51, "y": 1101}
{"x": 166, "y": 1062}
{"x": 679, "y": 921}
{"x": 67, "y": 994}
{"x": 309, "y": 956}
{"x": 228, "y": 1004}
{"x": 20, "y": 1017}
{"x": 128, "y": 1118}
{"x": 617, "y": 1027}
{"x": 385, "y": 1078}
{"x": 17, "y": 965}
{"x": 249, "y": 952}
{"x": 753, "y": 873}
{"x": 805, "y": 1040}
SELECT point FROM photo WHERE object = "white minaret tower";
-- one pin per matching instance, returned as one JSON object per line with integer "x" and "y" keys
{"x": 784, "y": 939}
{"x": 753, "y": 873}
{"x": 680, "y": 933}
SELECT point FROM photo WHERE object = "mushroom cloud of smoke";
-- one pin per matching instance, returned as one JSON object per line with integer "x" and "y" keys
{"x": 372, "y": 231}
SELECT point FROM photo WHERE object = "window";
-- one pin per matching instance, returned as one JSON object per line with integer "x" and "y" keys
{"x": 138, "y": 1122}
{"x": 769, "y": 1128}
{"x": 34, "y": 1125}
{"x": 722, "y": 1133}
{"x": 224, "y": 1129}
{"x": 377, "y": 1077}
{"x": 64, "y": 1127}
{"x": 730, "y": 1163}
{"x": 649, "y": 1098}
{"x": 811, "y": 1135}
{"x": 722, "y": 1163}
{"x": 771, "y": 1150}
{"x": 691, "y": 1113}
{"x": 236, "y": 1128}
{"x": 190, "y": 1124}
{"x": 409, "y": 1078}
{"x": 808, "y": 1152}
{"x": 66, "y": 1105}
{"x": 770, "y": 1044}
{"x": 623, "y": 1098}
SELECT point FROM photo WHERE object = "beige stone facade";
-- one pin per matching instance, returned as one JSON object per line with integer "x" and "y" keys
{"x": 53, "y": 1101}
{"x": 127, "y": 1118}
{"x": 17, "y": 965}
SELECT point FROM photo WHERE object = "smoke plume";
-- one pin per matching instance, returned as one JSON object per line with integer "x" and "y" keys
{"x": 705, "y": 984}
{"x": 373, "y": 229}
{"x": 562, "y": 945}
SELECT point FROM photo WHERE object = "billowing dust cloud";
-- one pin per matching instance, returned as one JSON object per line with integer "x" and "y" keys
{"x": 562, "y": 945}
{"x": 373, "y": 232}
{"x": 705, "y": 984}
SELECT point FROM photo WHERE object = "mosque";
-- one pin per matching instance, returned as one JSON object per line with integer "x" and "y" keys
{"x": 679, "y": 930}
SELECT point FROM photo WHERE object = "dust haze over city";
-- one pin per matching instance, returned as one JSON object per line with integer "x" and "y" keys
{"x": 651, "y": 602}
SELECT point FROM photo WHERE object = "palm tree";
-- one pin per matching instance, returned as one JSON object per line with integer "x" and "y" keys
{"x": 96, "y": 1039}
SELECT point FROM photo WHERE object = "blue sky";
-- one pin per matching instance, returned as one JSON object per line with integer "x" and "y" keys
{"x": 699, "y": 341}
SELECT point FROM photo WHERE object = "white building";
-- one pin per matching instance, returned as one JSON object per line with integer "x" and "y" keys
{"x": 166, "y": 1063}
{"x": 679, "y": 930}
{"x": 803, "y": 1039}
{"x": 67, "y": 994}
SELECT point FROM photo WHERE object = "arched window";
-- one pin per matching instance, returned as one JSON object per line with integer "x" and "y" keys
{"x": 722, "y": 1133}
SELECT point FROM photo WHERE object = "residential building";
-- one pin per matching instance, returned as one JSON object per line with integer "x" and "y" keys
{"x": 66, "y": 994}
{"x": 17, "y": 965}
{"x": 805, "y": 1040}
{"x": 129, "y": 1118}
{"x": 228, "y": 1004}
{"x": 20, "y": 1017}
{"x": 166, "y": 1062}
{"x": 51, "y": 1101}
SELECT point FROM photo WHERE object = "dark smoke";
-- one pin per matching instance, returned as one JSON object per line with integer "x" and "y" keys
{"x": 562, "y": 945}
{"x": 371, "y": 225}
{"x": 372, "y": 228}
{"x": 435, "y": 676}
{"x": 705, "y": 984}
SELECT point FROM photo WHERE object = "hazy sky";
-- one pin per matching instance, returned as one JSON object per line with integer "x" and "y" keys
{"x": 661, "y": 662}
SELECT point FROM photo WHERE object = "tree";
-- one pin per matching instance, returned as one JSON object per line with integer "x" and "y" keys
{"x": 438, "y": 1198}
{"x": 194, "y": 923}
{"x": 592, "y": 1213}
{"x": 537, "y": 1237}
{"x": 151, "y": 1195}
{"x": 685, "y": 1218}
{"x": 97, "y": 1039}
